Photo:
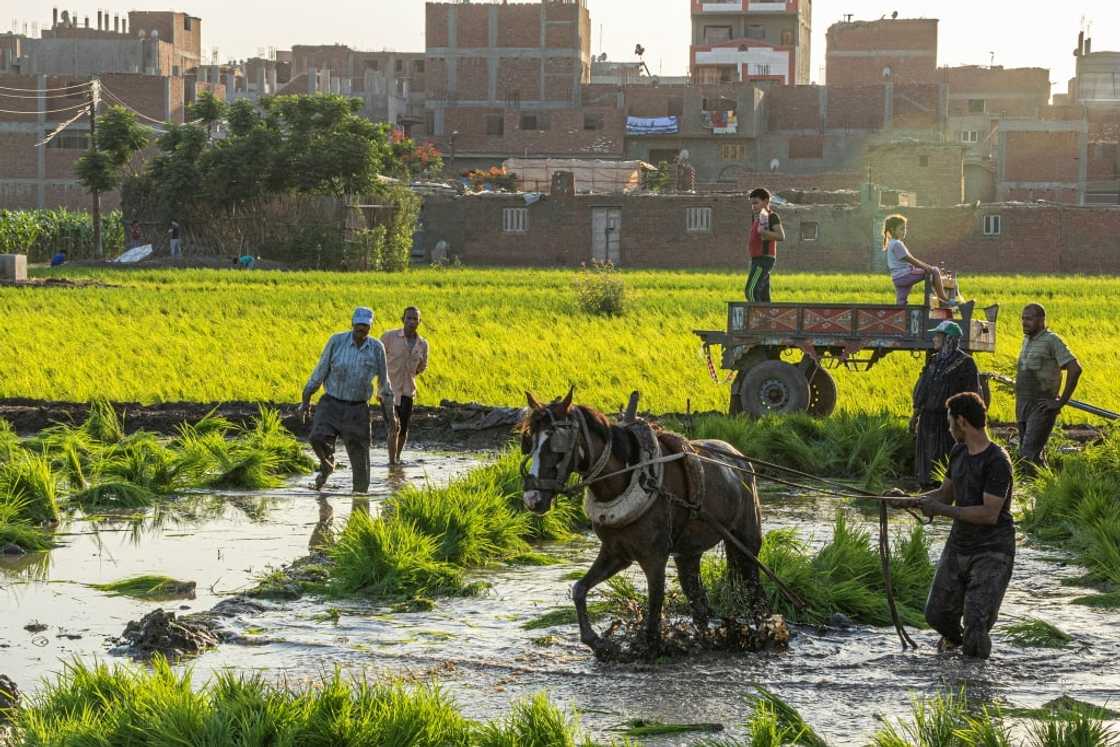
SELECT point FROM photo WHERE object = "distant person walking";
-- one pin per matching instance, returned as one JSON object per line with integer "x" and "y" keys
{"x": 948, "y": 372}
{"x": 766, "y": 232}
{"x": 407, "y": 353}
{"x": 346, "y": 370}
{"x": 175, "y": 232}
{"x": 906, "y": 269}
{"x": 1038, "y": 379}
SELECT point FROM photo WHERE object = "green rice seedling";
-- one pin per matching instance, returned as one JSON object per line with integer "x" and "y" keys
{"x": 1036, "y": 633}
{"x": 17, "y": 530}
{"x": 934, "y": 722}
{"x": 534, "y": 721}
{"x": 245, "y": 467}
{"x": 113, "y": 494}
{"x": 640, "y": 727}
{"x": 1066, "y": 708}
{"x": 102, "y": 423}
{"x": 392, "y": 559}
{"x": 152, "y": 587}
{"x": 1109, "y": 600}
{"x": 985, "y": 729}
{"x": 9, "y": 441}
{"x": 469, "y": 519}
{"x": 789, "y": 720}
{"x": 1079, "y": 730}
{"x": 30, "y": 481}
{"x": 268, "y": 434}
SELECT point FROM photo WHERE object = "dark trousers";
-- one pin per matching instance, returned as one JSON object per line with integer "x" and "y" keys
{"x": 758, "y": 282}
{"x": 1036, "y": 423}
{"x": 404, "y": 415}
{"x": 349, "y": 421}
{"x": 968, "y": 587}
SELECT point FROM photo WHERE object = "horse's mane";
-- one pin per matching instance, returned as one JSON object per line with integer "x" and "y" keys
{"x": 622, "y": 442}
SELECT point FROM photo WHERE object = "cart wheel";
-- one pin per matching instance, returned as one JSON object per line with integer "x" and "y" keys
{"x": 774, "y": 387}
{"x": 735, "y": 406}
{"x": 822, "y": 393}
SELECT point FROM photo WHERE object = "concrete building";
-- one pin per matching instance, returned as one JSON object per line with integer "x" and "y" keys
{"x": 902, "y": 50}
{"x": 751, "y": 40}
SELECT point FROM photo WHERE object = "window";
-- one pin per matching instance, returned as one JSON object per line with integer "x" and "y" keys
{"x": 732, "y": 152}
{"x": 186, "y": 23}
{"x": 763, "y": 70}
{"x": 970, "y": 136}
{"x": 787, "y": 38}
{"x": 715, "y": 34}
{"x": 923, "y": 161}
{"x": 70, "y": 141}
{"x": 400, "y": 66}
{"x": 513, "y": 99}
{"x": 373, "y": 64}
{"x": 756, "y": 32}
{"x": 538, "y": 121}
{"x": 976, "y": 106}
{"x": 515, "y": 220}
{"x": 810, "y": 230}
{"x": 676, "y": 106}
{"x": 698, "y": 219}
{"x": 418, "y": 66}
{"x": 593, "y": 121}
{"x": 993, "y": 226}
{"x": 495, "y": 125}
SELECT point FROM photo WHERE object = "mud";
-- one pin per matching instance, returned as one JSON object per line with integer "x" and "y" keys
{"x": 161, "y": 633}
{"x": 53, "y": 283}
{"x": 9, "y": 698}
{"x": 166, "y": 262}
{"x": 470, "y": 427}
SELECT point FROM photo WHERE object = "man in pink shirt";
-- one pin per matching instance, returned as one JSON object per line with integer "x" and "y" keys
{"x": 407, "y": 357}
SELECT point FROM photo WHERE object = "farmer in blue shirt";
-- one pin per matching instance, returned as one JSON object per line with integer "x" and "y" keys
{"x": 58, "y": 259}
{"x": 346, "y": 369}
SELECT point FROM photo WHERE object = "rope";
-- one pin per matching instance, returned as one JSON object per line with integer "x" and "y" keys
{"x": 888, "y": 581}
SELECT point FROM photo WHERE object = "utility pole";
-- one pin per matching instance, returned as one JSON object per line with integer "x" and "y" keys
{"x": 94, "y": 99}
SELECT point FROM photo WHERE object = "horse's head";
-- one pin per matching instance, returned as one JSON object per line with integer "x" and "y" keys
{"x": 550, "y": 442}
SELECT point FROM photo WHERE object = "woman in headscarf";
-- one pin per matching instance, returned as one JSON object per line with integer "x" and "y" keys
{"x": 950, "y": 371}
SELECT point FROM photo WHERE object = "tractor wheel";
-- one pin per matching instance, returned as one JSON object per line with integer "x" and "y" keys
{"x": 774, "y": 387}
{"x": 822, "y": 389}
{"x": 735, "y": 406}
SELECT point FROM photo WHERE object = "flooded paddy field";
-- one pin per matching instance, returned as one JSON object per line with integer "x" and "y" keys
{"x": 843, "y": 680}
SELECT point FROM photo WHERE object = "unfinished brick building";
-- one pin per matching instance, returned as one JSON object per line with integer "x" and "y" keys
{"x": 751, "y": 40}
{"x": 903, "y": 50}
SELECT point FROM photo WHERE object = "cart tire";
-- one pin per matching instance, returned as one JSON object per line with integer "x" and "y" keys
{"x": 822, "y": 392}
{"x": 774, "y": 388}
{"x": 735, "y": 406}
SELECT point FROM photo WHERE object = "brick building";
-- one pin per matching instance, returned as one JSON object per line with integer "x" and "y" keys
{"x": 862, "y": 53}
{"x": 34, "y": 176}
{"x": 708, "y": 230}
{"x": 751, "y": 40}
{"x": 507, "y": 80}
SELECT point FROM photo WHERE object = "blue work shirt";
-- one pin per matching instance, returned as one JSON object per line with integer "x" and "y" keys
{"x": 346, "y": 370}
{"x": 58, "y": 259}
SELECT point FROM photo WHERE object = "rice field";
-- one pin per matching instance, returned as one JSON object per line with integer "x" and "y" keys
{"x": 215, "y": 335}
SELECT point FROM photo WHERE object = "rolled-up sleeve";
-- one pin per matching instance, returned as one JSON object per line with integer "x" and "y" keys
{"x": 321, "y": 371}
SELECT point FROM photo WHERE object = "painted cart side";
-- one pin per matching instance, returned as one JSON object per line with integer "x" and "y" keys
{"x": 856, "y": 336}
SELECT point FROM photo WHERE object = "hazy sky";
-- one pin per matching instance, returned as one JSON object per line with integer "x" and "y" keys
{"x": 1020, "y": 32}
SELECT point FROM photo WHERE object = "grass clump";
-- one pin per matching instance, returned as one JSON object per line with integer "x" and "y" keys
{"x": 28, "y": 482}
{"x": 1107, "y": 601}
{"x": 392, "y": 559}
{"x": 151, "y": 587}
{"x": 871, "y": 449}
{"x": 844, "y": 576}
{"x": 1066, "y": 708}
{"x": 149, "y": 708}
{"x": 16, "y": 529}
{"x": 1074, "y": 506}
{"x": 1036, "y": 633}
{"x": 426, "y": 537}
{"x": 600, "y": 289}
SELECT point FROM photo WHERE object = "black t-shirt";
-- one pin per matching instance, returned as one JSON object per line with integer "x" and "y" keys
{"x": 973, "y": 475}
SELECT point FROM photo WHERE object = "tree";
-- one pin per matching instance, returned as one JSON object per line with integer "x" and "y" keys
{"x": 121, "y": 135}
{"x": 208, "y": 109}
{"x": 97, "y": 171}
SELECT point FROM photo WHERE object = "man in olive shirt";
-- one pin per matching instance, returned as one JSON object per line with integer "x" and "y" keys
{"x": 1038, "y": 378}
{"x": 975, "y": 566}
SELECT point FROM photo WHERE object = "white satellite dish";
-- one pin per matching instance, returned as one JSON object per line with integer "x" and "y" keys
{"x": 775, "y": 164}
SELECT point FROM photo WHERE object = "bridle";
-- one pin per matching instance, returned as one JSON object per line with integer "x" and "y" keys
{"x": 570, "y": 438}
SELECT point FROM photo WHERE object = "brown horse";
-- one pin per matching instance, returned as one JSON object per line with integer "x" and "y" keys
{"x": 560, "y": 439}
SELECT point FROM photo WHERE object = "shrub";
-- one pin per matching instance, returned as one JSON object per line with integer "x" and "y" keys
{"x": 600, "y": 289}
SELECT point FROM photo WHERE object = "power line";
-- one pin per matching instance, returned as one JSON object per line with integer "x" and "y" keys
{"x": 40, "y": 90}
{"x": 84, "y": 105}
{"x": 128, "y": 106}
{"x": 70, "y": 95}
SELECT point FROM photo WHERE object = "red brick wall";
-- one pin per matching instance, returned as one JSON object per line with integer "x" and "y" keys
{"x": 435, "y": 25}
{"x": 519, "y": 25}
{"x": 915, "y": 106}
{"x": 782, "y": 182}
{"x": 19, "y": 158}
{"x": 565, "y": 133}
{"x": 520, "y": 74}
{"x": 473, "y": 78}
{"x": 560, "y": 78}
{"x": 913, "y": 35}
{"x": 806, "y": 146}
{"x": 1042, "y": 156}
{"x": 1104, "y": 161}
{"x": 793, "y": 108}
{"x": 855, "y": 108}
{"x": 473, "y": 24}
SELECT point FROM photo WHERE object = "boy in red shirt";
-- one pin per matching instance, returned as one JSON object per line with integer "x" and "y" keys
{"x": 766, "y": 232}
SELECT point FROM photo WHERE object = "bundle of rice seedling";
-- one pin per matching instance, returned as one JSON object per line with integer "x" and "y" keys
{"x": 1036, "y": 633}
{"x": 29, "y": 481}
{"x": 151, "y": 587}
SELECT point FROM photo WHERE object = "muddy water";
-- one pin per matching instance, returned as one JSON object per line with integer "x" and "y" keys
{"x": 220, "y": 541}
{"x": 843, "y": 681}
